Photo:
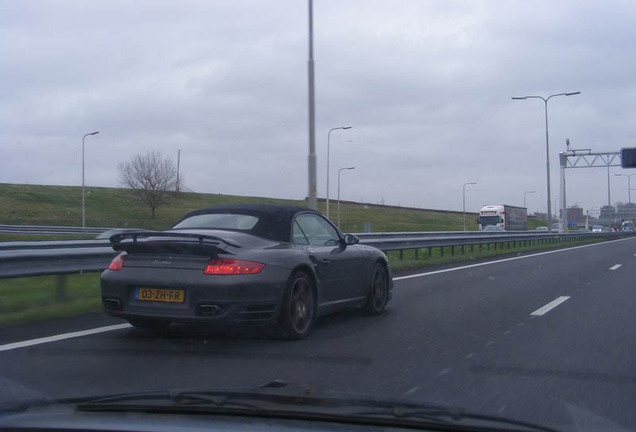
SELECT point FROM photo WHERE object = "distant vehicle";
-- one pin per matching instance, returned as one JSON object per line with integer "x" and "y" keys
{"x": 505, "y": 217}
{"x": 542, "y": 228}
{"x": 271, "y": 265}
{"x": 556, "y": 226}
{"x": 597, "y": 228}
{"x": 627, "y": 226}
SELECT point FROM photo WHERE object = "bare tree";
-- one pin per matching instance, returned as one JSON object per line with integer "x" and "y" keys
{"x": 152, "y": 176}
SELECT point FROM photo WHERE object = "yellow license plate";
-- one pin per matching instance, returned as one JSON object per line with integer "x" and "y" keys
{"x": 160, "y": 295}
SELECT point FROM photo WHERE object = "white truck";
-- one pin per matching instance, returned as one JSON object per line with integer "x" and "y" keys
{"x": 502, "y": 217}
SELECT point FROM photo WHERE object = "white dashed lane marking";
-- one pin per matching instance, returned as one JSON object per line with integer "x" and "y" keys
{"x": 547, "y": 308}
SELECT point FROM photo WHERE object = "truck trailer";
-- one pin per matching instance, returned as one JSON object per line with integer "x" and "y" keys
{"x": 502, "y": 217}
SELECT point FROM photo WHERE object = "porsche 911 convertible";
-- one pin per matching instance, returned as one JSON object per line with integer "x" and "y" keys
{"x": 276, "y": 266}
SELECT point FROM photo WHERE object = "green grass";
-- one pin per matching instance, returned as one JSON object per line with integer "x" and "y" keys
{"x": 119, "y": 208}
{"x": 409, "y": 261}
{"x": 39, "y": 298}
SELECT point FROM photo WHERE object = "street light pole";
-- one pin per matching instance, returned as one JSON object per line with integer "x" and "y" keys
{"x": 328, "y": 145}
{"x": 609, "y": 201}
{"x": 629, "y": 185}
{"x": 524, "y": 198}
{"x": 83, "y": 194}
{"x": 311, "y": 159}
{"x": 547, "y": 138}
{"x": 464, "y": 201}
{"x": 339, "y": 171}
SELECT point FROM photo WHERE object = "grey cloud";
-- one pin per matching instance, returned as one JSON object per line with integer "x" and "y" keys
{"x": 426, "y": 85}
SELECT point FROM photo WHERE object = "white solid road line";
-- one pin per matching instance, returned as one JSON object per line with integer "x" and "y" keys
{"x": 547, "y": 308}
{"x": 614, "y": 267}
{"x": 23, "y": 344}
{"x": 503, "y": 260}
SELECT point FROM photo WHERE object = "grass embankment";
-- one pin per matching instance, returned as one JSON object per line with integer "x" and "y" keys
{"x": 38, "y": 298}
{"x": 119, "y": 208}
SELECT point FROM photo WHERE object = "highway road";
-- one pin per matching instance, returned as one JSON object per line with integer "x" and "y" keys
{"x": 545, "y": 337}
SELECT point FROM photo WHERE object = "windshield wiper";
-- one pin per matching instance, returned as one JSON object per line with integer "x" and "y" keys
{"x": 462, "y": 420}
{"x": 294, "y": 401}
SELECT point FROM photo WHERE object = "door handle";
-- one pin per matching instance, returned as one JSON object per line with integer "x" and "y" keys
{"x": 320, "y": 261}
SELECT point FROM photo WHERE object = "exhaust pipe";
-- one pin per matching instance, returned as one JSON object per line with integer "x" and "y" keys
{"x": 111, "y": 303}
{"x": 205, "y": 309}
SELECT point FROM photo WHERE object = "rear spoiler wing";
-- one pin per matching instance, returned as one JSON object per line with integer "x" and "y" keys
{"x": 130, "y": 240}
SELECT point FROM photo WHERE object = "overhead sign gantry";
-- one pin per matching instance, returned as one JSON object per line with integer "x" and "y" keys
{"x": 586, "y": 158}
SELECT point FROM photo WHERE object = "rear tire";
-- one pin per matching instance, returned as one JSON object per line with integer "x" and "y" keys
{"x": 298, "y": 310}
{"x": 378, "y": 290}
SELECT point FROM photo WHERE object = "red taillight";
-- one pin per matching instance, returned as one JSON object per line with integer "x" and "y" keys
{"x": 232, "y": 267}
{"x": 118, "y": 262}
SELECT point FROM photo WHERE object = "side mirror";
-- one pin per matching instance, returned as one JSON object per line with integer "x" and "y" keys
{"x": 350, "y": 239}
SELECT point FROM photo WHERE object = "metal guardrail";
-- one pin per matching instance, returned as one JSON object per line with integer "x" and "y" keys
{"x": 53, "y": 244}
{"x": 379, "y": 235}
{"x": 400, "y": 242}
{"x": 40, "y": 262}
{"x": 20, "y": 259}
{"x": 47, "y": 230}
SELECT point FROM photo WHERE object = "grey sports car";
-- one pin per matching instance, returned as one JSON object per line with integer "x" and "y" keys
{"x": 273, "y": 265}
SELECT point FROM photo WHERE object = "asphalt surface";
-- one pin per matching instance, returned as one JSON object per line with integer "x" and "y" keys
{"x": 476, "y": 336}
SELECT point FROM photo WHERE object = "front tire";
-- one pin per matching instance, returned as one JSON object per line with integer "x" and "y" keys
{"x": 298, "y": 311}
{"x": 378, "y": 290}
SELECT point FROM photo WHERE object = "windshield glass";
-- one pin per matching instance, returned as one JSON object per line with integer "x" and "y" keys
{"x": 343, "y": 152}
{"x": 489, "y": 220}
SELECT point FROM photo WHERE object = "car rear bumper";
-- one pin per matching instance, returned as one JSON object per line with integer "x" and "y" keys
{"x": 206, "y": 298}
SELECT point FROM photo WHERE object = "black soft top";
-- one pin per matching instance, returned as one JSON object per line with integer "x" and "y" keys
{"x": 274, "y": 220}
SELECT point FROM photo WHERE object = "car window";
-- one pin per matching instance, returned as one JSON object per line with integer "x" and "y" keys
{"x": 315, "y": 230}
{"x": 219, "y": 221}
{"x": 298, "y": 236}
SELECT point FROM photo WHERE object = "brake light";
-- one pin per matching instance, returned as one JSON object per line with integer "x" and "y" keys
{"x": 233, "y": 267}
{"x": 118, "y": 262}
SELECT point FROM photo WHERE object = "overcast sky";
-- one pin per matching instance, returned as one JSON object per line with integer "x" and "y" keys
{"x": 426, "y": 85}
